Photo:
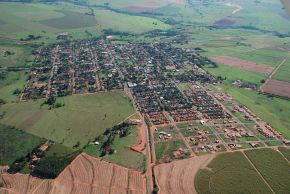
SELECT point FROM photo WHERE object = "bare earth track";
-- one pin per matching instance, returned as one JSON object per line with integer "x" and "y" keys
{"x": 85, "y": 175}
{"x": 277, "y": 87}
{"x": 244, "y": 65}
{"x": 178, "y": 176}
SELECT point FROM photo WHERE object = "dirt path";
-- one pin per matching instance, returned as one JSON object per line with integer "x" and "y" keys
{"x": 258, "y": 172}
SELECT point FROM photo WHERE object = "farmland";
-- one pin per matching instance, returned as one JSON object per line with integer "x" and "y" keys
{"x": 276, "y": 175}
{"x": 91, "y": 113}
{"x": 283, "y": 72}
{"x": 16, "y": 144}
{"x": 230, "y": 173}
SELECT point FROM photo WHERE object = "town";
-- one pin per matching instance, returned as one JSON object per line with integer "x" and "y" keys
{"x": 167, "y": 84}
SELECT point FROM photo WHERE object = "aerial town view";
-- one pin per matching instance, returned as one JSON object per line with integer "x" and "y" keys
{"x": 144, "y": 97}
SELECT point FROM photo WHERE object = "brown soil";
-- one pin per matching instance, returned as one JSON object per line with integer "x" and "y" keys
{"x": 85, "y": 175}
{"x": 24, "y": 184}
{"x": 244, "y": 65}
{"x": 141, "y": 145}
{"x": 178, "y": 176}
{"x": 277, "y": 87}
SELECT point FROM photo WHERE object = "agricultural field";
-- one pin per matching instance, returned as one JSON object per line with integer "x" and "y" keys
{"x": 16, "y": 144}
{"x": 276, "y": 175}
{"x": 230, "y": 173}
{"x": 80, "y": 120}
{"x": 283, "y": 73}
{"x": 285, "y": 152}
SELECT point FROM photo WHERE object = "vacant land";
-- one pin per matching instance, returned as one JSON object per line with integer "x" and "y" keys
{"x": 243, "y": 64}
{"x": 16, "y": 144}
{"x": 230, "y": 173}
{"x": 273, "y": 167}
{"x": 80, "y": 120}
{"x": 277, "y": 87}
{"x": 178, "y": 176}
{"x": 164, "y": 150}
{"x": 86, "y": 173}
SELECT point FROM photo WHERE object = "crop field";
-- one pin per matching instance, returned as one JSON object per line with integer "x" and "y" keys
{"x": 283, "y": 72}
{"x": 16, "y": 144}
{"x": 179, "y": 176}
{"x": 87, "y": 173}
{"x": 276, "y": 175}
{"x": 81, "y": 119}
{"x": 285, "y": 152}
{"x": 244, "y": 65}
{"x": 230, "y": 173}
{"x": 277, "y": 87}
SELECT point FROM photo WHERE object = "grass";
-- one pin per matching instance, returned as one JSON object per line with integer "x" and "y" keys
{"x": 283, "y": 72}
{"x": 285, "y": 152}
{"x": 276, "y": 175}
{"x": 123, "y": 155}
{"x": 58, "y": 150}
{"x": 16, "y": 144}
{"x": 127, "y": 23}
{"x": 164, "y": 150}
{"x": 11, "y": 82}
{"x": 71, "y": 20}
{"x": 230, "y": 173}
{"x": 81, "y": 119}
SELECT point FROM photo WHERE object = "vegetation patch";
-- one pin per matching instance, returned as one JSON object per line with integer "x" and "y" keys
{"x": 16, "y": 144}
{"x": 71, "y": 20}
{"x": 82, "y": 118}
{"x": 230, "y": 173}
{"x": 273, "y": 167}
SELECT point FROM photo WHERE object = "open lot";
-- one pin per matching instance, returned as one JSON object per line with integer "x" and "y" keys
{"x": 81, "y": 119}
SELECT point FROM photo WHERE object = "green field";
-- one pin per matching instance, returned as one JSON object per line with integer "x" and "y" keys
{"x": 81, "y": 119}
{"x": 164, "y": 150}
{"x": 16, "y": 144}
{"x": 230, "y": 173}
{"x": 127, "y": 23}
{"x": 273, "y": 167}
{"x": 283, "y": 72}
{"x": 122, "y": 155}
{"x": 285, "y": 152}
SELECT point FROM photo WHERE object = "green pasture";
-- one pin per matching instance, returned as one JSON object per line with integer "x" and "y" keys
{"x": 15, "y": 144}
{"x": 80, "y": 120}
